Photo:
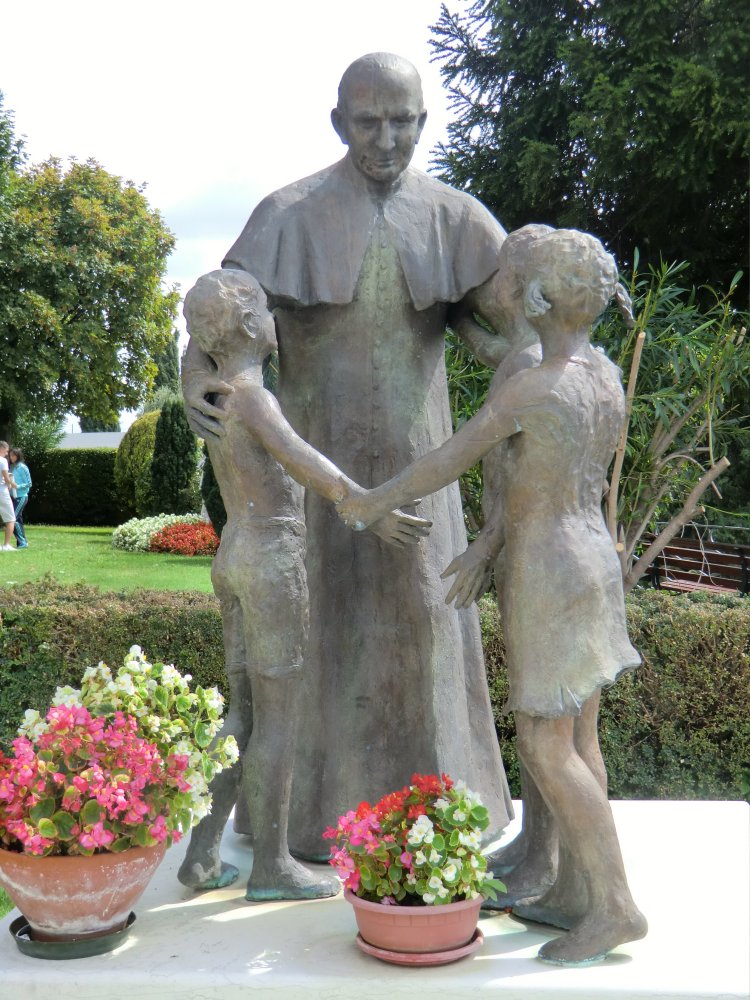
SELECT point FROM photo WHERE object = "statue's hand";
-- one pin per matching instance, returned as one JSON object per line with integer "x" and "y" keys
{"x": 359, "y": 510}
{"x": 401, "y": 529}
{"x": 205, "y": 419}
{"x": 472, "y": 570}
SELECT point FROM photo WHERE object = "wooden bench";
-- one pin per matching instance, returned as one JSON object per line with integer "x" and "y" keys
{"x": 698, "y": 564}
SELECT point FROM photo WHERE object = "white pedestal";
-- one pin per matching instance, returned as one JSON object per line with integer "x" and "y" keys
{"x": 687, "y": 864}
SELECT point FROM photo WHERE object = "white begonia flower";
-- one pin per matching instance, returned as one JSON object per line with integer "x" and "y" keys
{"x": 450, "y": 871}
{"x": 135, "y": 651}
{"x": 441, "y": 803}
{"x": 125, "y": 684}
{"x": 472, "y": 839}
{"x": 434, "y": 857}
{"x": 435, "y": 883}
{"x": 474, "y": 861}
{"x": 67, "y": 696}
{"x": 33, "y": 725}
{"x": 414, "y": 836}
{"x": 429, "y": 897}
{"x": 459, "y": 816}
{"x": 443, "y": 892}
{"x": 459, "y": 786}
{"x": 231, "y": 749}
{"x": 429, "y": 836}
{"x": 420, "y": 858}
{"x": 411, "y": 878}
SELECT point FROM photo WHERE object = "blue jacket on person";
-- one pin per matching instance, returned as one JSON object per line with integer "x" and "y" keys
{"x": 22, "y": 478}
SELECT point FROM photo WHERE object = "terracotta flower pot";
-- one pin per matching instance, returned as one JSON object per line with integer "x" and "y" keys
{"x": 76, "y": 898}
{"x": 416, "y": 929}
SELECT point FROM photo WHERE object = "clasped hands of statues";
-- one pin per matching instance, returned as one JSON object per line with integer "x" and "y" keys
{"x": 361, "y": 510}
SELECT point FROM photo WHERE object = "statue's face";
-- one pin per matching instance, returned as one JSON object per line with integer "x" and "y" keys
{"x": 381, "y": 121}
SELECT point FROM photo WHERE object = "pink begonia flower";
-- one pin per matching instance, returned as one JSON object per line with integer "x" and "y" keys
{"x": 388, "y": 901}
{"x": 96, "y": 837}
{"x": 81, "y": 783}
{"x": 405, "y": 859}
{"x": 158, "y": 829}
{"x": 7, "y": 789}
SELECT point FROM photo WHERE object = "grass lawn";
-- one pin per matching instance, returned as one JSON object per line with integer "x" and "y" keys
{"x": 5, "y": 904}
{"x": 73, "y": 555}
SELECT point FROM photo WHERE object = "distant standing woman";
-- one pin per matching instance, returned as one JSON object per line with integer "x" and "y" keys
{"x": 22, "y": 478}
{"x": 7, "y": 514}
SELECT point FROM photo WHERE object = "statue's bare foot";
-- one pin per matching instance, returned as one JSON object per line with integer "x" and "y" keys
{"x": 207, "y": 876}
{"x": 594, "y": 937}
{"x": 506, "y": 858}
{"x": 288, "y": 879}
{"x": 563, "y": 905}
{"x": 530, "y": 879}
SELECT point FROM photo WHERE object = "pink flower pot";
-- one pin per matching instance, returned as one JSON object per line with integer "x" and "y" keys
{"x": 76, "y": 898}
{"x": 416, "y": 929}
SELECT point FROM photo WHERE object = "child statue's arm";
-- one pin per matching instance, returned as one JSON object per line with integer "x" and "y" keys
{"x": 493, "y": 422}
{"x": 261, "y": 414}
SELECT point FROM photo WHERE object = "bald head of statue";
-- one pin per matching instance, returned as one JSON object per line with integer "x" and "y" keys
{"x": 380, "y": 115}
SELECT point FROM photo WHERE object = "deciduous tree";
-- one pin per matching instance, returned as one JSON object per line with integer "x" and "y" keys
{"x": 82, "y": 306}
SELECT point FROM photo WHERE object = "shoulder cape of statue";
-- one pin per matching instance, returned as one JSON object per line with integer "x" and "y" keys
{"x": 306, "y": 242}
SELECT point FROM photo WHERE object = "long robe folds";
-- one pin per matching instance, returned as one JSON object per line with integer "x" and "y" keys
{"x": 394, "y": 679}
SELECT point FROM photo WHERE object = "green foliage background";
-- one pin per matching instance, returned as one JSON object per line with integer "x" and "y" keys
{"x": 678, "y": 727}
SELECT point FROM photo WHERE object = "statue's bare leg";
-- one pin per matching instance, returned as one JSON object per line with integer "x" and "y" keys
{"x": 565, "y": 902}
{"x": 267, "y": 779}
{"x": 528, "y": 869}
{"x": 203, "y": 867}
{"x": 580, "y": 807}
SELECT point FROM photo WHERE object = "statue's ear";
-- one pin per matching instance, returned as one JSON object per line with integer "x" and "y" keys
{"x": 534, "y": 302}
{"x": 420, "y": 124}
{"x": 339, "y": 124}
{"x": 250, "y": 324}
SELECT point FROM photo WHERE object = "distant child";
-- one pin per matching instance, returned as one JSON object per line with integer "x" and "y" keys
{"x": 561, "y": 592}
{"x": 259, "y": 577}
{"x": 20, "y": 494}
{"x": 7, "y": 514}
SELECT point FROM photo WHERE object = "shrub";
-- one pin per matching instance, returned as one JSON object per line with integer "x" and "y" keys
{"x": 136, "y": 534}
{"x": 133, "y": 465}
{"x": 182, "y": 539}
{"x": 75, "y": 487}
{"x": 50, "y": 633}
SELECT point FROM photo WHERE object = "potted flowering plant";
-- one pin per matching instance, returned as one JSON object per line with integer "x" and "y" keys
{"x": 115, "y": 773}
{"x": 412, "y": 863}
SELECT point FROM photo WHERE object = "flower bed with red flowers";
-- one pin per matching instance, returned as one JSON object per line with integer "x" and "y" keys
{"x": 186, "y": 540}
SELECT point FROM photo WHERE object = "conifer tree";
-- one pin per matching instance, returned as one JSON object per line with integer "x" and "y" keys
{"x": 174, "y": 465}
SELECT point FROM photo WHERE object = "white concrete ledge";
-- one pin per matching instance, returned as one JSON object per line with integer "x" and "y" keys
{"x": 688, "y": 869}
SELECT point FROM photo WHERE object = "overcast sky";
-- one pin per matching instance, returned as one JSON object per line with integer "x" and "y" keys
{"x": 211, "y": 106}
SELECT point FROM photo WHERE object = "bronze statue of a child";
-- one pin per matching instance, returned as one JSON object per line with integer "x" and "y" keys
{"x": 259, "y": 577}
{"x": 560, "y": 588}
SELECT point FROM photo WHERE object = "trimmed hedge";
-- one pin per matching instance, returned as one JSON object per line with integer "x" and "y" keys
{"x": 679, "y": 727}
{"x": 75, "y": 487}
{"x": 133, "y": 465}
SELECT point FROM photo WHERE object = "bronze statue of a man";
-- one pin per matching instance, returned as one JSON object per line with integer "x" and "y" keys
{"x": 361, "y": 264}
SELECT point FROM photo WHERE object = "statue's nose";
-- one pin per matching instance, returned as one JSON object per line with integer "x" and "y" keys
{"x": 386, "y": 136}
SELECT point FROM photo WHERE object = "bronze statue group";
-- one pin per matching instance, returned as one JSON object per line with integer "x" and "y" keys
{"x": 351, "y": 663}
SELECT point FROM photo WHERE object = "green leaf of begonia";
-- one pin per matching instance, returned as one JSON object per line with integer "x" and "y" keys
{"x": 64, "y": 823}
{"x": 202, "y": 735}
{"x": 42, "y": 810}
{"x": 161, "y": 697}
{"x": 480, "y": 816}
{"x": 91, "y": 813}
{"x": 121, "y": 844}
{"x": 47, "y": 828}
